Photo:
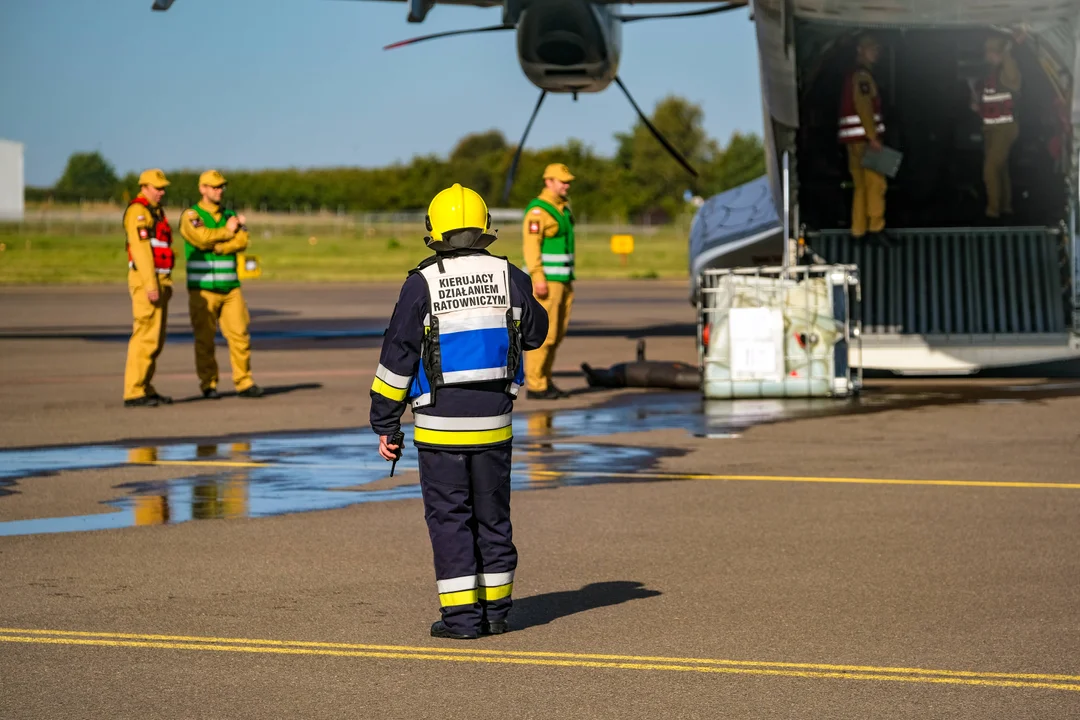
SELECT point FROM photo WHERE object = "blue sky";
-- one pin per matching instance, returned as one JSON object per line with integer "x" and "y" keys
{"x": 305, "y": 83}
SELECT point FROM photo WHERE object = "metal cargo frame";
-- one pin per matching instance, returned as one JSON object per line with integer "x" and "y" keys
{"x": 960, "y": 281}
{"x": 846, "y": 376}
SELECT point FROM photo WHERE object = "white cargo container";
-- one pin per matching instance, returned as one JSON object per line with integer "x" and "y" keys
{"x": 12, "y": 187}
{"x": 774, "y": 332}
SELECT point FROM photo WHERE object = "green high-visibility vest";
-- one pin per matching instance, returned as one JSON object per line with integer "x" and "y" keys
{"x": 206, "y": 270}
{"x": 557, "y": 252}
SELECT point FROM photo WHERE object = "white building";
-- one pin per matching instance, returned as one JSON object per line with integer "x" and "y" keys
{"x": 12, "y": 186}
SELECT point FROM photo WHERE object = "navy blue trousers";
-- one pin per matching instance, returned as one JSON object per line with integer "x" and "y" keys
{"x": 467, "y": 509}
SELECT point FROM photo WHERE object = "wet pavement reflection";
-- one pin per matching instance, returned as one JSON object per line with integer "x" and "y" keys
{"x": 276, "y": 474}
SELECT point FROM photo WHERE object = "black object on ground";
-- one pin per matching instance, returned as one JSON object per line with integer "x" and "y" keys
{"x": 645, "y": 373}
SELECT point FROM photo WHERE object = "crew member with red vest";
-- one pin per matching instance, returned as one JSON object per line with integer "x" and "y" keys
{"x": 1000, "y": 129}
{"x": 861, "y": 124}
{"x": 150, "y": 264}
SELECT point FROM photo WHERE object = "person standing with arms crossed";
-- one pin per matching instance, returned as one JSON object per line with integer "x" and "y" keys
{"x": 150, "y": 263}
{"x": 212, "y": 237}
{"x": 548, "y": 231}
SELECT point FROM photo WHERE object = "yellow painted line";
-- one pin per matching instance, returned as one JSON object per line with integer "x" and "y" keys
{"x": 207, "y": 463}
{"x": 688, "y": 476}
{"x": 523, "y": 657}
{"x": 810, "y": 479}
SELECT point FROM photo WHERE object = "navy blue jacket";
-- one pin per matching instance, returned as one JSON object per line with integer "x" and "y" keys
{"x": 401, "y": 356}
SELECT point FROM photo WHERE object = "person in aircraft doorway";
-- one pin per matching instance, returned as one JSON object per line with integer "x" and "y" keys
{"x": 861, "y": 127}
{"x": 453, "y": 352}
{"x": 996, "y": 104}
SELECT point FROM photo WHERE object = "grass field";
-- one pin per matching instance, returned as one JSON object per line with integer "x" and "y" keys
{"x": 382, "y": 254}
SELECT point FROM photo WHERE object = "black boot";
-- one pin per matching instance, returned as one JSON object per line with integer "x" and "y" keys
{"x": 211, "y": 394}
{"x": 252, "y": 392}
{"x": 495, "y": 627}
{"x": 439, "y": 630}
{"x": 144, "y": 401}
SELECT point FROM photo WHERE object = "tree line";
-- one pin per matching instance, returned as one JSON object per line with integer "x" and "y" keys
{"x": 639, "y": 181}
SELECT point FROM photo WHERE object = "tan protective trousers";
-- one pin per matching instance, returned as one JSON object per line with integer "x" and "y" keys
{"x": 539, "y": 362}
{"x": 207, "y": 309}
{"x": 147, "y": 336}
{"x": 997, "y": 142}
{"x": 868, "y": 201}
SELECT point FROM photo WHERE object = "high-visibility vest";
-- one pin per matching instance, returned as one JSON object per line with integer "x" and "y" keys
{"x": 997, "y": 104}
{"x": 205, "y": 269}
{"x": 557, "y": 252}
{"x": 160, "y": 237}
{"x": 851, "y": 129}
{"x": 472, "y": 331}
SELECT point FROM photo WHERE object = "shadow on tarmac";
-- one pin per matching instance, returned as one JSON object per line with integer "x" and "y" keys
{"x": 542, "y": 609}
{"x": 268, "y": 390}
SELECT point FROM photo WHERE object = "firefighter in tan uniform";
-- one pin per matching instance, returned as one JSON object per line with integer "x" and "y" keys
{"x": 212, "y": 238}
{"x": 549, "y": 259}
{"x": 861, "y": 126}
{"x": 1000, "y": 129}
{"x": 150, "y": 262}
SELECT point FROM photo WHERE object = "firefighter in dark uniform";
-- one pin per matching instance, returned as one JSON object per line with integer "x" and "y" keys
{"x": 1000, "y": 130}
{"x": 148, "y": 238}
{"x": 453, "y": 352}
{"x": 862, "y": 126}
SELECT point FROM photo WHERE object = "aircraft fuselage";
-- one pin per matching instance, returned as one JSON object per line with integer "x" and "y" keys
{"x": 569, "y": 46}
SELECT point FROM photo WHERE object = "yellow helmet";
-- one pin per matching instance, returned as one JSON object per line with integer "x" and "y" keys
{"x": 458, "y": 218}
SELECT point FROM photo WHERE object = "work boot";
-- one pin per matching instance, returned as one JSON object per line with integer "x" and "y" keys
{"x": 211, "y": 394}
{"x": 144, "y": 401}
{"x": 549, "y": 394}
{"x": 252, "y": 392}
{"x": 494, "y": 627}
{"x": 439, "y": 630}
{"x": 162, "y": 399}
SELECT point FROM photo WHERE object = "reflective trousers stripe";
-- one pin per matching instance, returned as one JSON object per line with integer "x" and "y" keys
{"x": 496, "y": 586}
{"x": 452, "y": 438}
{"x": 388, "y": 391}
{"x": 495, "y": 593}
{"x": 452, "y": 585}
{"x": 462, "y": 597}
{"x": 1004, "y": 119}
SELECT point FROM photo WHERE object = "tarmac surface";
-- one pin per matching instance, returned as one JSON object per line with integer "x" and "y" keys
{"x": 913, "y": 552}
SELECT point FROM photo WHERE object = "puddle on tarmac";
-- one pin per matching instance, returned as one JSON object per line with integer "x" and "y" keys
{"x": 286, "y": 473}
